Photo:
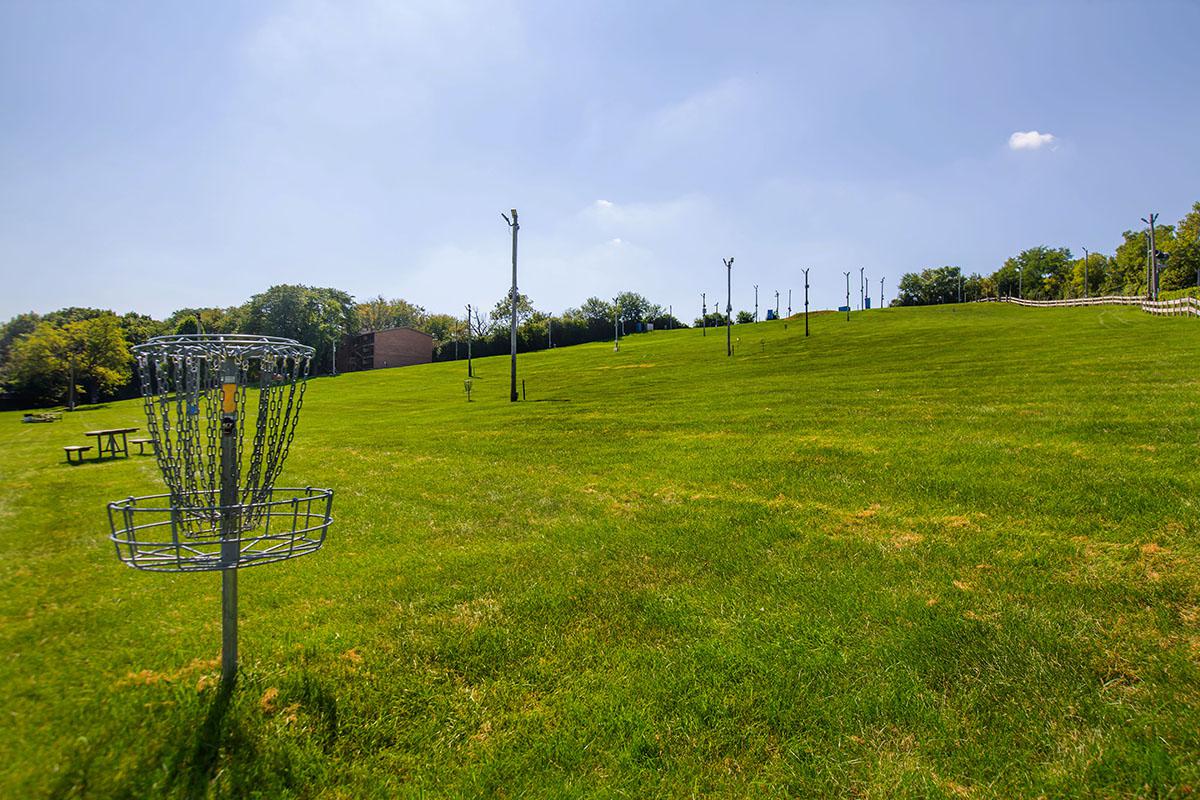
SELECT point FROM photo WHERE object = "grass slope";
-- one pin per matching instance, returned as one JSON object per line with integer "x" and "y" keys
{"x": 932, "y": 552}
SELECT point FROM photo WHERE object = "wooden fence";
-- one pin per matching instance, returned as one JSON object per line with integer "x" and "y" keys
{"x": 1180, "y": 307}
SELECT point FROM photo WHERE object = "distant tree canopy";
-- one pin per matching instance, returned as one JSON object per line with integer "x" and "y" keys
{"x": 1053, "y": 273}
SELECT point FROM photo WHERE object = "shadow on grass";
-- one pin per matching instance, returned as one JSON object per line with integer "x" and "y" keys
{"x": 198, "y": 753}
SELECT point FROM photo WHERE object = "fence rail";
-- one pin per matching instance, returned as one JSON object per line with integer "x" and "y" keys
{"x": 1180, "y": 307}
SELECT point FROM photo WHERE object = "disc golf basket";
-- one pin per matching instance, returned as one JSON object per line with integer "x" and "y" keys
{"x": 222, "y": 510}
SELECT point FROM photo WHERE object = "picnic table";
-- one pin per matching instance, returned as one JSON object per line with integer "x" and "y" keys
{"x": 106, "y": 441}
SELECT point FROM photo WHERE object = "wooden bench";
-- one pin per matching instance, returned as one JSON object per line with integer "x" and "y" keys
{"x": 141, "y": 443}
{"x": 78, "y": 450}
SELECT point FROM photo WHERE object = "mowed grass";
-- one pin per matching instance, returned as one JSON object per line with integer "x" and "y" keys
{"x": 931, "y": 552}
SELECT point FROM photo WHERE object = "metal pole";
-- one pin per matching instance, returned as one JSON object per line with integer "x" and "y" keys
{"x": 728, "y": 305}
{"x": 776, "y": 304}
{"x": 806, "y": 302}
{"x": 616, "y": 331}
{"x": 756, "y": 302}
{"x": 230, "y": 524}
{"x": 861, "y": 291}
{"x": 1152, "y": 265}
{"x": 703, "y": 315}
{"x": 512, "y": 390}
{"x": 1085, "y": 273}
{"x": 470, "y": 374}
{"x": 847, "y": 274}
{"x": 881, "y": 292}
{"x": 789, "y": 302}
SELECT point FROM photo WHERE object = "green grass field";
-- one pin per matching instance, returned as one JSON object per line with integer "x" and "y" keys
{"x": 941, "y": 552}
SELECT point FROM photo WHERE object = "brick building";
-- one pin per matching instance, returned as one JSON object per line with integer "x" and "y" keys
{"x": 393, "y": 347}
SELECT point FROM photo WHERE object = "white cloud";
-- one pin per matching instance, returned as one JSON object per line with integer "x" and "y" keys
{"x": 604, "y": 204}
{"x": 1029, "y": 140}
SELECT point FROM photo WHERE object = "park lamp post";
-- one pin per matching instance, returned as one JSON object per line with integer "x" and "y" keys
{"x": 1086, "y": 288}
{"x": 512, "y": 394}
{"x": 862, "y": 293}
{"x": 756, "y": 302}
{"x": 806, "y": 301}
{"x": 881, "y": 292}
{"x": 776, "y": 304}
{"x": 789, "y": 302}
{"x": 847, "y": 274}
{"x": 728, "y": 305}
{"x": 703, "y": 315}
{"x": 1152, "y": 262}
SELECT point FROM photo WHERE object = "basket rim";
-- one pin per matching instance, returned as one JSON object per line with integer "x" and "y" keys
{"x": 222, "y": 344}
{"x": 131, "y": 503}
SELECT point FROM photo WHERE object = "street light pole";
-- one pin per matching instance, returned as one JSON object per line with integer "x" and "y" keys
{"x": 789, "y": 302}
{"x": 776, "y": 304}
{"x": 703, "y": 315}
{"x": 756, "y": 302}
{"x": 1152, "y": 265}
{"x": 806, "y": 302}
{"x": 861, "y": 290}
{"x": 847, "y": 274}
{"x": 728, "y": 305}
{"x": 470, "y": 374}
{"x": 881, "y": 292}
{"x": 1086, "y": 288}
{"x": 512, "y": 394}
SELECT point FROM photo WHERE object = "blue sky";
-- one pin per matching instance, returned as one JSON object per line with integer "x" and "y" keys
{"x": 161, "y": 155}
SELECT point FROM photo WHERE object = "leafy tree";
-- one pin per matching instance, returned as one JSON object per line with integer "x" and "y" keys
{"x": 1183, "y": 266}
{"x": 502, "y": 311}
{"x": 633, "y": 307}
{"x": 1132, "y": 257}
{"x": 379, "y": 314}
{"x": 1097, "y": 269}
{"x": 13, "y": 329}
{"x": 928, "y": 287}
{"x": 319, "y": 317}
{"x": 99, "y": 353}
{"x": 743, "y": 317}
{"x": 38, "y": 366}
{"x": 596, "y": 310}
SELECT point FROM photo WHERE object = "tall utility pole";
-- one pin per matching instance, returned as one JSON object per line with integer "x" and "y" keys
{"x": 776, "y": 304}
{"x": 703, "y": 315}
{"x": 806, "y": 302}
{"x": 881, "y": 292}
{"x": 1152, "y": 263}
{"x": 1086, "y": 288}
{"x": 470, "y": 374}
{"x": 862, "y": 290}
{"x": 847, "y": 273}
{"x": 616, "y": 330}
{"x": 789, "y": 302}
{"x": 728, "y": 305}
{"x": 756, "y": 302}
{"x": 512, "y": 394}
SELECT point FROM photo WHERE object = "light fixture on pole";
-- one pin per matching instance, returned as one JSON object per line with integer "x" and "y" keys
{"x": 847, "y": 274}
{"x": 728, "y": 305}
{"x": 1086, "y": 288}
{"x": 806, "y": 301}
{"x": 512, "y": 394}
{"x": 1152, "y": 262}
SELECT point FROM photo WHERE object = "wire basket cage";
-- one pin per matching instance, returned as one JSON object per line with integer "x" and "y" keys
{"x": 153, "y": 535}
{"x": 222, "y": 410}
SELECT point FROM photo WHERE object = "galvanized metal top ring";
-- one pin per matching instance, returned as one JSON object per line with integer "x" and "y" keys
{"x": 223, "y": 345}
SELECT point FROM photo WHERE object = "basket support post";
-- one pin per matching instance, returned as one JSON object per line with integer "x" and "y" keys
{"x": 230, "y": 525}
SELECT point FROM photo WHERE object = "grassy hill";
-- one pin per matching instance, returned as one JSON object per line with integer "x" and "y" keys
{"x": 931, "y": 552}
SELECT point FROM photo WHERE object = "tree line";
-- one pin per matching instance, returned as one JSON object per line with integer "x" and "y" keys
{"x": 86, "y": 353}
{"x": 1055, "y": 273}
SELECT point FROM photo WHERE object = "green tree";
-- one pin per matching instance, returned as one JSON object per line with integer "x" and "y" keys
{"x": 99, "y": 355}
{"x": 743, "y": 317}
{"x": 319, "y": 317}
{"x": 633, "y": 307}
{"x": 38, "y": 366}
{"x": 502, "y": 311}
